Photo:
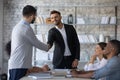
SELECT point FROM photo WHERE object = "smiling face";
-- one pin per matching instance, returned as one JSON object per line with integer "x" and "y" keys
{"x": 55, "y": 18}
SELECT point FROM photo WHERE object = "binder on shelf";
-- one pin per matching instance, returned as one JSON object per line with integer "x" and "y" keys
{"x": 80, "y": 38}
{"x": 80, "y": 21}
{"x": 112, "y": 20}
{"x": 105, "y": 20}
{"x": 91, "y": 38}
{"x": 86, "y": 39}
{"x": 83, "y": 39}
{"x": 101, "y": 38}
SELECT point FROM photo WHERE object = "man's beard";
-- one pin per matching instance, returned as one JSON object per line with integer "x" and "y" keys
{"x": 56, "y": 23}
{"x": 33, "y": 21}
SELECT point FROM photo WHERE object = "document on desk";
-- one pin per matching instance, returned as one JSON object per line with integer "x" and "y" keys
{"x": 60, "y": 72}
{"x": 41, "y": 75}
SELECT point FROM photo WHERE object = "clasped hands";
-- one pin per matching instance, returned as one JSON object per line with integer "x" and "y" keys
{"x": 38, "y": 69}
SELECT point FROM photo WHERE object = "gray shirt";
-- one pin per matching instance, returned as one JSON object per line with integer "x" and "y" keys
{"x": 22, "y": 42}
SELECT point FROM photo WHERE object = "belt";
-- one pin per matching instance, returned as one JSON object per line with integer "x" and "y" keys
{"x": 67, "y": 57}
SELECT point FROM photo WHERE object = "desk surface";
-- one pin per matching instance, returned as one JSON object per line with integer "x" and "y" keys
{"x": 54, "y": 78}
{"x": 57, "y": 74}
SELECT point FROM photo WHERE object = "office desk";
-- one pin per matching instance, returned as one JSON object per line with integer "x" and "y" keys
{"x": 56, "y": 74}
{"x": 54, "y": 78}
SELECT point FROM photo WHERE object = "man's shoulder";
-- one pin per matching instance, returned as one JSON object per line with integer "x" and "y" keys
{"x": 52, "y": 29}
{"x": 114, "y": 60}
{"x": 68, "y": 25}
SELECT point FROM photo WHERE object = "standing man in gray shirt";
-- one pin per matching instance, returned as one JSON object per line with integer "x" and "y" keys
{"x": 22, "y": 41}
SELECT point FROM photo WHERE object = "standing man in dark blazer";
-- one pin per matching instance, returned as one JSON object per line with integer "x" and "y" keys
{"x": 67, "y": 47}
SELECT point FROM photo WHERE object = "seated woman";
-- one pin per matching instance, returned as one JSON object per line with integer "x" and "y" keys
{"x": 99, "y": 56}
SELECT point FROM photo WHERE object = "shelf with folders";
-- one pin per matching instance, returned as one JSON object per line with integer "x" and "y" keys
{"x": 104, "y": 17}
{"x": 87, "y": 39}
{"x": 82, "y": 14}
{"x": 104, "y": 20}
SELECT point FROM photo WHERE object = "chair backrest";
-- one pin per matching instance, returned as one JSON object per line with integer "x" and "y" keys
{"x": 3, "y": 76}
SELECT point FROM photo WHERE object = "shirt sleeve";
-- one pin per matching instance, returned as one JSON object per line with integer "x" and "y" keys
{"x": 110, "y": 68}
{"x": 34, "y": 41}
{"x": 50, "y": 37}
{"x": 90, "y": 66}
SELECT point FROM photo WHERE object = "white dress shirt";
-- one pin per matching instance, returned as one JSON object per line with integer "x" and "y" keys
{"x": 63, "y": 33}
{"x": 99, "y": 64}
{"x": 22, "y": 42}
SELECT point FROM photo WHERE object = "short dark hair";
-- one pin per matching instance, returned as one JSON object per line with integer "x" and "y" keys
{"x": 116, "y": 45}
{"x": 54, "y": 11}
{"x": 29, "y": 10}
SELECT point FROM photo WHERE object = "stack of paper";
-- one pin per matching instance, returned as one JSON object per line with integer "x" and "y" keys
{"x": 60, "y": 72}
{"x": 40, "y": 75}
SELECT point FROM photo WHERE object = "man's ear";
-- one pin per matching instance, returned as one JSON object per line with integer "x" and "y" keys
{"x": 113, "y": 49}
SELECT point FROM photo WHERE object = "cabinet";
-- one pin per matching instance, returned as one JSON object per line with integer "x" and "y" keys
{"x": 89, "y": 21}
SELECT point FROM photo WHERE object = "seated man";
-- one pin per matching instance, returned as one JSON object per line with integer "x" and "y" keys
{"x": 111, "y": 71}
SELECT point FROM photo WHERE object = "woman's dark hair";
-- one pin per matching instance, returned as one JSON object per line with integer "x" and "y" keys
{"x": 29, "y": 10}
{"x": 102, "y": 46}
{"x": 54, "y": 11}
{"x": 8, "y": 47}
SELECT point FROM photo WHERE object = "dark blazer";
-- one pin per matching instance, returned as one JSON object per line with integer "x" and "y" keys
{"x": 54, "y": 36}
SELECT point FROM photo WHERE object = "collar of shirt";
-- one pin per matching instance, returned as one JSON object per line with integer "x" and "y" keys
{"x": 25, "y": 22}
{"x": 59, "y": 28}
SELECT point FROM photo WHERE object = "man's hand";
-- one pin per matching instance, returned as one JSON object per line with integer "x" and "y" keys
{"x": 93, "y": 58}
{"x": 45, "y": 68}
{"x": 34, "y": 70}
{"x": 75, "y": 63}
{"x": 48, "y": 46}
{"x": 74, "y": 73}
{"x": 38, "y": 69}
